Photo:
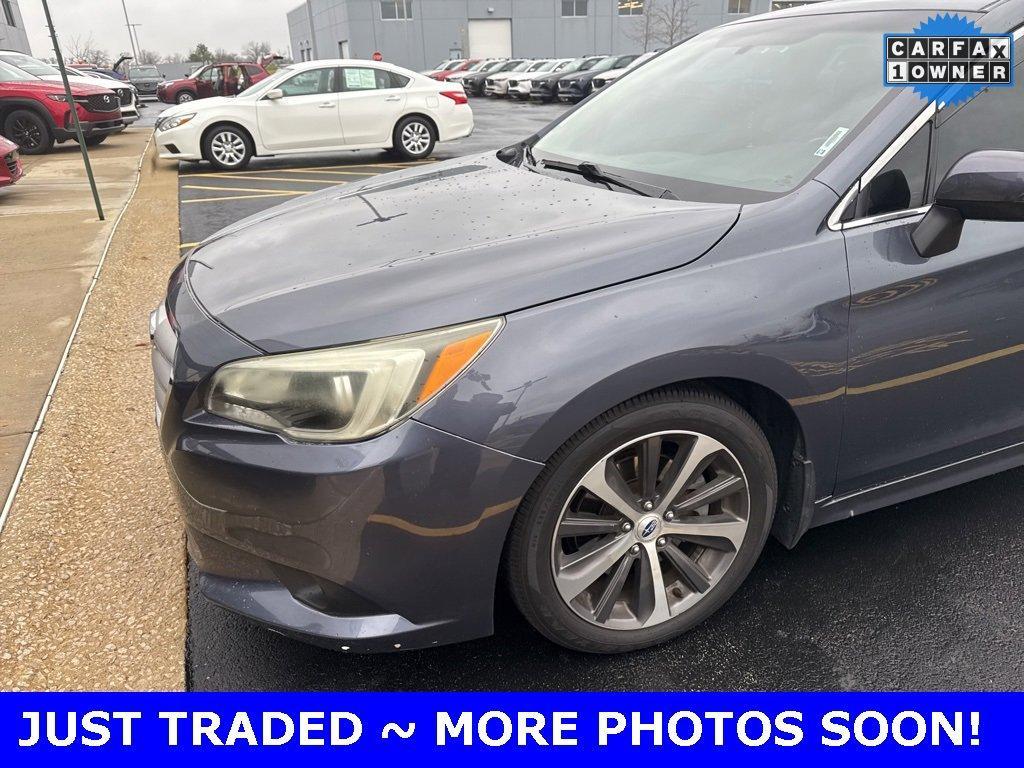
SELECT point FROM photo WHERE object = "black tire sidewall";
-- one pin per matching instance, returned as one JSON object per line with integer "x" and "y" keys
{"x": 396, "y": 138}
{"x": 48, "y": 138}
{"x": 532, "y": 572}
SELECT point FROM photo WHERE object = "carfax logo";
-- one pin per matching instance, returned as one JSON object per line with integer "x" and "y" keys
{"x": 949, "y": 59}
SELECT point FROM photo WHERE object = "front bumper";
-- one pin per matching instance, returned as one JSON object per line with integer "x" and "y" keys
{"x": 91, "y": 128}
{"x": 572, "y": 93}
{"x": 181, "y": 143}
{"x": 391, "y": 543}
{"x": 542, "y": 92}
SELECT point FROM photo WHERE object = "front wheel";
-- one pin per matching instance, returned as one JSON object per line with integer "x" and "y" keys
{"x": 29, "y": 131}
{"x": 414, "y": 138}
{"x": 185, "y": 97}
{"x": 644, "y": 523}
{"x": 228, "y": 148}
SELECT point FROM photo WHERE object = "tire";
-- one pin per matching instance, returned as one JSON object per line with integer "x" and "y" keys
{"x": 547, "y": 556}
{"x": 227, "y": 148}
{"x": 184, "y": 97}
{"x": 29, "y": 131}
{"x": 413, "y": 138}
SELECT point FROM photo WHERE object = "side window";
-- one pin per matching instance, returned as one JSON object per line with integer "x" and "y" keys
{"x": 210, "y": 74}
{"x": 252, "y": 70}
{"x": 371, "y": 79}
{"x": 901, "y": 185}
{"x": 309, "y": 83}
{"x": 992, "y": 120}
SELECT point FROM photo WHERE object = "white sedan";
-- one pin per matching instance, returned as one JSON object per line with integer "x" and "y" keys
{"x": 319, "y": 106}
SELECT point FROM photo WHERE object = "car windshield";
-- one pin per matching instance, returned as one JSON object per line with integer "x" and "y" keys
{"x": 11, "y": 74}
{"x": 145, "y": 72}
{"x": 30, "y": 65}
{"x": 744, "y": 113}
{"x": 478, "y": 66}
{"x": 589, "y": 64}
{"x": 268, "y": 83}
{"x": 606, "y": 64}
{"x": 539, "y": 66}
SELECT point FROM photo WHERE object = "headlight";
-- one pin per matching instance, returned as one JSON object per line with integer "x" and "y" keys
{"x": 174, "y": 122}
{"x": 346, "y": 393}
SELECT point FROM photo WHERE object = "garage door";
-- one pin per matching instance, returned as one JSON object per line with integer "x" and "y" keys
{"x": 490, "y": 38}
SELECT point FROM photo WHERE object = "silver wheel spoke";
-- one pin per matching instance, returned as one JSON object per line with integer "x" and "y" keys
{"x": 611, "y": 593}
{"x": 605, "y": 482}
{"x": 716, "y": 490}
{"x": 575, "y": 525}
{"x": 590, "y": 564}
{"x": 652, "y": 600}
{"x": 723, "y": 531}
{"x": 692, "y": 573}
{"x": 700, "y": 455}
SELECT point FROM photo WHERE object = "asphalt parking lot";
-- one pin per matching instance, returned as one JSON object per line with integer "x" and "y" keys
{"x": 924, "y": 595}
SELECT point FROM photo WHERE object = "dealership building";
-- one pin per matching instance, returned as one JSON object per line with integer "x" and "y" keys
{"x": 420, "y": 33}
{"x": 12, "y": 28}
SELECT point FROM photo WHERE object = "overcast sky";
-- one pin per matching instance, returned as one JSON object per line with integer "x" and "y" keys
{"x": 167, "y": 26}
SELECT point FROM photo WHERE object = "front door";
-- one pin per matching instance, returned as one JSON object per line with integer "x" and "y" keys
{"x": 210, "y": 82}
{"x": 936, "y": 345}
{"x": 371, "y": 102}
{"x": 306, "y": 115}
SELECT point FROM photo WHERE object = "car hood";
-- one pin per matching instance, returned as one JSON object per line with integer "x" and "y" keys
{"x": 197, "y": 106}
{"x": 45, "y": 87}
{"x": 429, "y": 247}
{"x": 92, "y": 82}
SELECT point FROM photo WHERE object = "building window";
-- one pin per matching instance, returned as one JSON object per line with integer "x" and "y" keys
{"x": 739, "y": 6}
{"x": 631, "y": 7}
{"x": 396, "y": 10}
{"x": 9, "y": 13}
{"x": 574, "y": 9}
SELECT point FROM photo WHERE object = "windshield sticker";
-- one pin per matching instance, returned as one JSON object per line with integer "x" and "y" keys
{"x": 948, "y": 59}
{"x": 831, "y": 141}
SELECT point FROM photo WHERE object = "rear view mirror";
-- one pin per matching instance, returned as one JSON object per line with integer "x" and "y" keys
{"x": 274, "y": 94}
{"x": 983, "y": 186}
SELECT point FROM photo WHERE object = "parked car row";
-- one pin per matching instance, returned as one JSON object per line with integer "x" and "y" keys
{"x": 35, "y": 114}
{"x": 127, "y": 96}
{"x": 567, "y": 80}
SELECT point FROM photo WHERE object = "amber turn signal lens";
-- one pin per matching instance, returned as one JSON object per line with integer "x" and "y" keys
{"x": 451, "y": 361}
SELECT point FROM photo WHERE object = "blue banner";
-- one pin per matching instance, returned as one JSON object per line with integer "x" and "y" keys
{"x": 107, "y": 729}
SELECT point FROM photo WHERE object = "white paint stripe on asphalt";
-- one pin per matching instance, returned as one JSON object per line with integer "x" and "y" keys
{"x": 34, "y": 435}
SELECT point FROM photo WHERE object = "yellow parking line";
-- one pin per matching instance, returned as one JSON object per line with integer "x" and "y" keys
{"x": 242, "y": 197}
{"x": 183, "y": 246}
{"x": 246, "y": 174}
{"x": 275, "y": 178}
{"x": 244, "y": 189}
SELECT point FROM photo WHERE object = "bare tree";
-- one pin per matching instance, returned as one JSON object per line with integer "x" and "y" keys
{"x": 221, "y": 55}
{"x": 255, "y": 50}
{"x": 175, "y": 58}
{"x": 669, "y": 21}
{"x": 642, "y": 29}
{"x": 83, "y": 49}
{"x": 148, "y": 57}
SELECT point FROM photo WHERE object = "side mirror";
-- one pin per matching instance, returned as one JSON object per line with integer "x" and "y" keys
{"x": 981, "y": 186}
{"x": 274, "y": 94}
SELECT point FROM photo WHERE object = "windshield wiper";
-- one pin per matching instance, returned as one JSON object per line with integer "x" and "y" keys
{"x": 592, "y": 172}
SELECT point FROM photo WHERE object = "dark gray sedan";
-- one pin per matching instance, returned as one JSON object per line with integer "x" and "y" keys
{"x": 775, "y": 296}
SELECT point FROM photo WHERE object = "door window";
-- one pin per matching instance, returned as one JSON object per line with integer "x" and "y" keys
{"x": 992, "y": 120}
{"x": 310, "y": 83}
{"x": 901, "y": 185}
{"x": 371, "y": 79}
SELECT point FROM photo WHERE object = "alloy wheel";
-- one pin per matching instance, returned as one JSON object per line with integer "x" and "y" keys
{"x": 228, "y": 148}
{"x": 416, "y": 138}
{"x": 26, "y": 133}
{"x": 184, "y": 98}
{"x": 650, "y": 530}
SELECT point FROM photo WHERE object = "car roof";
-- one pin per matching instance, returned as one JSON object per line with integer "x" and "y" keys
{"x": 862, "y": 6}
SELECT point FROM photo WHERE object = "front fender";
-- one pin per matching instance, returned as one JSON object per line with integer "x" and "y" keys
{"x": 778, "y": 319}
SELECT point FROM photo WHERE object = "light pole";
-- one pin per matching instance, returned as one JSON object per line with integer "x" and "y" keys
{"x": 138, "y": 45}
{"x": 73, "y": 106}
{"x": 128, "y": 23}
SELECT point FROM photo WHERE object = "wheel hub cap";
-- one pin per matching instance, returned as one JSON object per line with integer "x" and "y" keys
{"x": 649, "y": 528}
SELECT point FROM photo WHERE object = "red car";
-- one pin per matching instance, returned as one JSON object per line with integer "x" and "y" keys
{"x": 10, "y": 163}
{"x": 34, "y": 113}
{"x": 212, "y": 80}
{"x": 442, "y": 74}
